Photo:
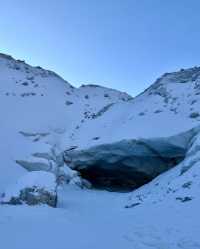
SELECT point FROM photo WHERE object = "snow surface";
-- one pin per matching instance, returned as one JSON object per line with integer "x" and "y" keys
{"x": 43, "y": 115}
{"x": 98, "y": 219}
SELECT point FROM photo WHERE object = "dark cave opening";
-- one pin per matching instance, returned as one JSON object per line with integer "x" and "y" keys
{"x": 127, "y": 164}
{"x": 112, "y": 181}
{"x": 119, "y": 178}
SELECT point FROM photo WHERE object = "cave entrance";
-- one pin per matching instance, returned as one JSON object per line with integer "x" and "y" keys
{"x": 115, "y": 181}
{"x": 128, "y": 164}
{"x": 119, "y": 177}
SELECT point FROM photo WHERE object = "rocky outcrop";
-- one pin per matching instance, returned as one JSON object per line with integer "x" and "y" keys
{"x": 32, "y": 189}
{"x": 33, "y": 196}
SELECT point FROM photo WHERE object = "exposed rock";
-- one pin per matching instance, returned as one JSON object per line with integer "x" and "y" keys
{"x": 69, "y": 102}
{"x": 194, "y": 115}
{"x": 33, "y": 189}
{"x": 102, "y": 111}
{"x": 184, "y": 199}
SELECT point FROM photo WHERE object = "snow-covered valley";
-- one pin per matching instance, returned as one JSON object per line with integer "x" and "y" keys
{"x": 57, "y": 140}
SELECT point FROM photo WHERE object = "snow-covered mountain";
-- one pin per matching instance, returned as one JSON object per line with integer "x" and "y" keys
{"x": 118, "y": 140}
{"x": 169, "y": 106}
{"x": 39, "y": 110}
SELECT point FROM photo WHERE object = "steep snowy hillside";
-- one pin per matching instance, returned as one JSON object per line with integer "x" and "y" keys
{"x": 170, "y": 106}
{"x": 74, "y": 137}
{"x": 142, "y": 137}
{"x": 38, "y": 109}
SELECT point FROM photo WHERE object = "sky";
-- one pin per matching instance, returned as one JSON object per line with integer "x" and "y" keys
{"x": 121, "y": 44}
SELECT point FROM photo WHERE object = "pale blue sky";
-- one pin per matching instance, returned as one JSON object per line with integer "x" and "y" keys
{"x": 123, "y": 44}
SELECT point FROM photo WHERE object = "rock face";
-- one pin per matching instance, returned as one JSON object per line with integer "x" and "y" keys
{"x": 128, "y": 164}
{"x": 32, "y": 189}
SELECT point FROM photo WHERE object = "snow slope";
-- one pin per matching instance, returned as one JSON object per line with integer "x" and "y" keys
{"x": 39, "y": 110}
{"x": 42, "y": 115}
{"x": 168, "y": 107}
